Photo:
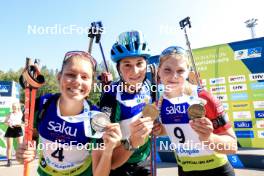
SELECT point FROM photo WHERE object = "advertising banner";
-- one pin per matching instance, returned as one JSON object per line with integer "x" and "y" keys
{"x": 234, "y": 73}
{"x": 9, "y": 93}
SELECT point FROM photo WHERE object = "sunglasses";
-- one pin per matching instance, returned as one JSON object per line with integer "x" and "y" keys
{"x": 89, "y": 57}
{"x": 171, "y": 50}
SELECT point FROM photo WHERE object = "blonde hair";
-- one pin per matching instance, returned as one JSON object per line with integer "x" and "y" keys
{"x": 187, "y": 86}
{"x": 17, "y": 104}
{"x": 176, "y": 56}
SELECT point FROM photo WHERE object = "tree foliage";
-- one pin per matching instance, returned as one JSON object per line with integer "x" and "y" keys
{"x": 51, "y": 83}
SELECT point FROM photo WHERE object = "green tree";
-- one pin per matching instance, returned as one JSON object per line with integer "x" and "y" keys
{"x": 51, "y": 83}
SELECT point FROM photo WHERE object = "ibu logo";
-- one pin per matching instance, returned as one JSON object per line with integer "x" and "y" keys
{"x": 243, "y": 124}
{"x": 259, "y": 114}
{"x": 4, "y": 88}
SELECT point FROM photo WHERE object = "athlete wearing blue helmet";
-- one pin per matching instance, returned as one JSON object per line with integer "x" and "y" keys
{"x": 130, "y": 53}
{"x": 130, "y": 44}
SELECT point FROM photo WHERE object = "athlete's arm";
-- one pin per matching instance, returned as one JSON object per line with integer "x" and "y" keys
{"x": 120, "y": 156}
{"x": 139, "y": 130}
{"x": 215, "y": 128}
{"x": 223, "y": 142}
{"x": 27, "y": 152}
{"x": 102, "y": 157}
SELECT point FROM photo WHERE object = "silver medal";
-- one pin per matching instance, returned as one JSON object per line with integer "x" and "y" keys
{"x": 100, "y": 121}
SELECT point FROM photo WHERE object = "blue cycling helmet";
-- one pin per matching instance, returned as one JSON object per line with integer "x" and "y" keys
{"x": 129, "y": 44}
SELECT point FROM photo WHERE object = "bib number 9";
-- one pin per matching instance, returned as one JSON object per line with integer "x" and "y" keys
{"x": 179, "y": 134}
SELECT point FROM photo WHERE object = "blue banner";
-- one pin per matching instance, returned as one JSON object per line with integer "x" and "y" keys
{"x": 244, "y": 134}
{"x": 243, "y": 124}
{"x": 5, "y": 88}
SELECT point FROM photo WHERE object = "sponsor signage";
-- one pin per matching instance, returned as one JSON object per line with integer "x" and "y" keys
{"x": 241, "y": 115}
{"x": 259, "y": 114}
{"x": 258, "y": 104}
{"x": 235, "y": 79}
{"x": 245, "y": 134}
{"x": 257, "y": 86}
{"x": 260, "y": 123}
{"x": 238, "y": 87}
{"x": 256, "y": 77}
{"x": 218, "y": 89}
{"x": 239, "y": 96}
{"x": 221, "y": 97}
{"x": 243, "y": 124}
{"x": 248, "y": 53}
{"x": 215, "y": 81}
{"x": 240, "y": 105}
{"x": 5, "y": 89}
{"x": 235, "y": 75}
{"x": 261, "y": 134}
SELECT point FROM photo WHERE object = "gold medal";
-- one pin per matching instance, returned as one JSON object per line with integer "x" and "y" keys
{"x": 196, "y": 111}
{"x": 150, "y": 110}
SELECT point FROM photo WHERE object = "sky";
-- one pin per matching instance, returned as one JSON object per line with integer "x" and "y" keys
{"x": 25, "y": 25}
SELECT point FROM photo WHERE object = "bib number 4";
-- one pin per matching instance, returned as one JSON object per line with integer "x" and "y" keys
{"x": 58, "y": 154}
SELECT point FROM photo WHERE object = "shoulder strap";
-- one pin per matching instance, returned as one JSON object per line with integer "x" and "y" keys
{"x": 91, "y": 105}
{"x": 41, "y": 113}
{"x": 152, "y": 81}
{"x": 160, "y": 101}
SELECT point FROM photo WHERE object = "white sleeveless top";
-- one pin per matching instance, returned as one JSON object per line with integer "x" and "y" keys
{"x": 15, "y": 119}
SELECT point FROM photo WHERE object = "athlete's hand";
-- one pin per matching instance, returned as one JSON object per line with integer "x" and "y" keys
{"x": 140, "y": 129}
{"x": 106, "y": 77}
{"x": 203, "y": 127}
{"x": 112, "y": 136}
{"x": 26, "y": 152}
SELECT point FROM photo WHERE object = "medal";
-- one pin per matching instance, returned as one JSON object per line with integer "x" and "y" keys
{"x": 100, "y": 121}
{"x": 196, "y": 111}
{"x": 150, "y": 110}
